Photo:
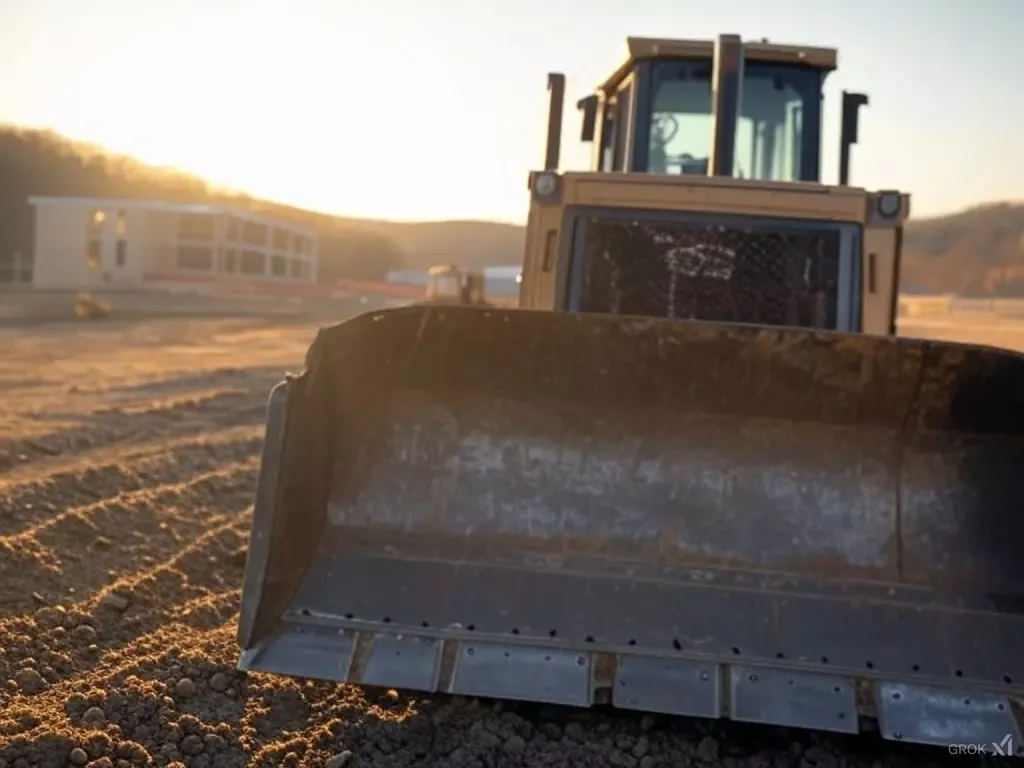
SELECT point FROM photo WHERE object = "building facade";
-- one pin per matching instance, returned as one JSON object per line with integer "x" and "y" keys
{"x": 86, "y": 243}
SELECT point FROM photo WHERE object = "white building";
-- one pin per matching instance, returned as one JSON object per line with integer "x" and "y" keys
{"x": 83, "y": 243}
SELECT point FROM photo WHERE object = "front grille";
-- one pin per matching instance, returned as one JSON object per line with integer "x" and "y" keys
{"x": 723, "y": 273}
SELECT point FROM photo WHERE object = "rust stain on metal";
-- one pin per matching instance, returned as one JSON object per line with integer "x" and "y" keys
{"x": 604, "y": 670}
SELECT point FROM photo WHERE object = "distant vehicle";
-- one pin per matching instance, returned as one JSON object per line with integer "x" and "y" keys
{"x": 450, "y": 284}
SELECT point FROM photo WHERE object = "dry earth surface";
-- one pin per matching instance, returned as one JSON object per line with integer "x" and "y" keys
{"x": 128, "y": 460}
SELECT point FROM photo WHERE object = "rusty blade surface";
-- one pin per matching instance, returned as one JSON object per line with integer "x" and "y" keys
{"x": 503, "y": 470}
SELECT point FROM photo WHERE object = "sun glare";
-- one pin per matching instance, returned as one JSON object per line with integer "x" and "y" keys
{"x": 291, "y": 108}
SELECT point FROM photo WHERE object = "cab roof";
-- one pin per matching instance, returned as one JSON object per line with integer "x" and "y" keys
{"x": 646, "y": 48}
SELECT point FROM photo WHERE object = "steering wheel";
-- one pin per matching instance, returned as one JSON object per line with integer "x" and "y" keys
{"x": 665, "y": 127}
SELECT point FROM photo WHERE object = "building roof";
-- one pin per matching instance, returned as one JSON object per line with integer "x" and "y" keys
{"x": 169, "y": 207}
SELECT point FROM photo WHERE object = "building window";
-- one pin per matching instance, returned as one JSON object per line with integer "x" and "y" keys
{"x": 232, "y": 228}
{"x": 299, "y": 244}
{"x": 93, "y": 254}
{"x": 254, "y": 234}
{"x": 252, "y": 262}
{"x": 121, "y": 254}
{"x": 278, "y": 266}
{"x": 229, "y": 260}
{"x": 281, "y": 238}
{"x": 122, "y": 225}
{"x": 195, "y": 258}
{"x": 96, "y": 219}
{"x": 196, "y": 226}
{"x": 15, "y": 268}
{"x": 296, "y": 268}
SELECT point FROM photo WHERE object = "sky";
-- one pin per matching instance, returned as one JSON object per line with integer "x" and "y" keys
{"x": 436, "y": 109}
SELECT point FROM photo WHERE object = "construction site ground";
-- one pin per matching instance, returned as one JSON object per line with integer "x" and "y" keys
{"x": 128, "y": 461}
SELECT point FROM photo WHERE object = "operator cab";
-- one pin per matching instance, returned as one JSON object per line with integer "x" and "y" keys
{"x": 657, "y": 111}
{"x": 759, "y": 239}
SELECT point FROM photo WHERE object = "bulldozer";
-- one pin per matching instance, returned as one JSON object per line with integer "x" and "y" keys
{"x": 450, "y": 284}
{"x": 695, "y": 472}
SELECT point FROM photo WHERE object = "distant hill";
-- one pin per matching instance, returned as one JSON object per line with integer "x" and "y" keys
{"x": 977, "y": 251}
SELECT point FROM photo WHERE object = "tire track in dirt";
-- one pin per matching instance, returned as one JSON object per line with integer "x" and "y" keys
{"x": 179, "y": 415}
{"x": 65, "y": 643}
{"x": 39, "y": 498}
{"x": 128, "y": 654}
{"x": 264, "y": 376}
{"x": 77, "y": 553}
{"x": 120, "y": 454}
{"x": 157, "y": 492}
{"x": 130, "y": 532}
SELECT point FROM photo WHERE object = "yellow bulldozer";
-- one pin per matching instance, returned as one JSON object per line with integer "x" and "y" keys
{"x": 696, "y": 472}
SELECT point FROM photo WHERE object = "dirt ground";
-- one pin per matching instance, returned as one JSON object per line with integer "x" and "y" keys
{"x": 128, "y": 460}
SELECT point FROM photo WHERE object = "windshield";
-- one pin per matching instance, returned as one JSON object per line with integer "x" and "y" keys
{"x": 778, "y": 122}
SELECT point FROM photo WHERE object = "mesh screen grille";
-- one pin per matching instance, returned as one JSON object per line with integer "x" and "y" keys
{"x": 723, "y": 273}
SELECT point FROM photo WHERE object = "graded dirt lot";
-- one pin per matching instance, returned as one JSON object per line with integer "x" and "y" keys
{"x": 128, "y": 461}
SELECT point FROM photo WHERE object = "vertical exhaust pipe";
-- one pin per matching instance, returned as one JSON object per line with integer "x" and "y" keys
{"x": 553, "y": 149}
{"x": 588, "y": 106}
{"x": 726, "y": 97}
{"x": 852, "y": 102}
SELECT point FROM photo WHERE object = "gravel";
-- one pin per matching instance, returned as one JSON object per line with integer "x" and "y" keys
{"x": 122, "y": 539}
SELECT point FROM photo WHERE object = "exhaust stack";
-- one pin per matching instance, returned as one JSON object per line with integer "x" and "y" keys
{"x": 726, "y": 97}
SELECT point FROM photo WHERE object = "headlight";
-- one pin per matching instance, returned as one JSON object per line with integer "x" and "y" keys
{"x": 889, "y": 204}
{"x": 545, "y": 184}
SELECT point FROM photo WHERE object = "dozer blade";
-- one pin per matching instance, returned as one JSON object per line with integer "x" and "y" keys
{"x": 774, "y": 525}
